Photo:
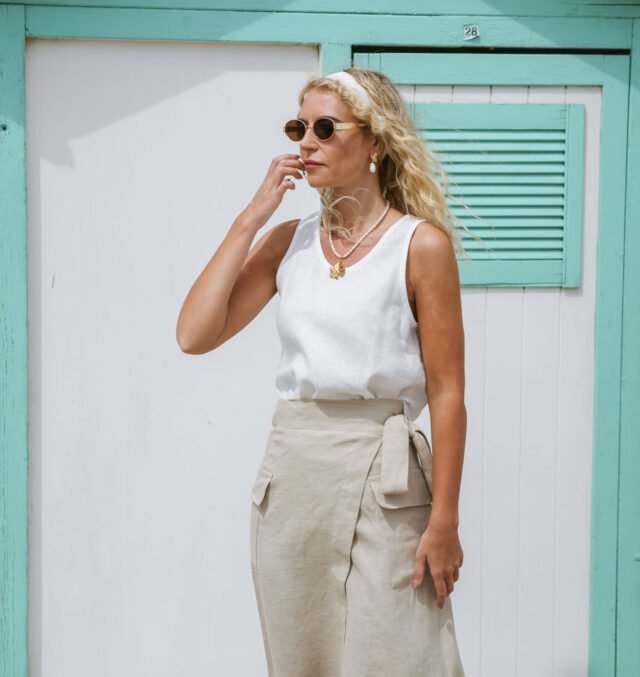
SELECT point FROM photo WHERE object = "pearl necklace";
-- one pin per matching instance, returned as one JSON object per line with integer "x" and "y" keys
{"x": 337, "y": 270}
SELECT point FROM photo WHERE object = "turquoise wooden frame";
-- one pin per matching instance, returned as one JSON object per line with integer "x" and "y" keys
{"x": 341, "y": 34}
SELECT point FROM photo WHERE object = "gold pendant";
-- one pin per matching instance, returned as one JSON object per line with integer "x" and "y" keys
{"x": 337, "y": 271}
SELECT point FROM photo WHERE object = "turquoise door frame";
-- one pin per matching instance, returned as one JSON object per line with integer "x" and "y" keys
{"x": 615, "y": 594}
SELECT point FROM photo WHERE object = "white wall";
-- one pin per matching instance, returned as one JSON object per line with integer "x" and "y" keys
{"x": 140, "y": 156}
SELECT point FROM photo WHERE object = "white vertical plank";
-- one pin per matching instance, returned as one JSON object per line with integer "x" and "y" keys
{"x": 502, "y": 433}
{"x": 469, "y": 592}
{"x": 536, "y": 544}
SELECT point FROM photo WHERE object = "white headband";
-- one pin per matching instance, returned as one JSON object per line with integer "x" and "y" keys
{"x": 352, "y": 85}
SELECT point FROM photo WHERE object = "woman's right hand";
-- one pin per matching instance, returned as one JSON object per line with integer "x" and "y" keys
{"x": 278, "y": 179}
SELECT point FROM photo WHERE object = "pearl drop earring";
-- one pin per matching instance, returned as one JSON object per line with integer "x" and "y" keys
{"x": 372, "y": 166}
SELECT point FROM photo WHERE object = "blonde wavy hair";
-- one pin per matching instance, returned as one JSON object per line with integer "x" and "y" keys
{"x": 408, "y": 169}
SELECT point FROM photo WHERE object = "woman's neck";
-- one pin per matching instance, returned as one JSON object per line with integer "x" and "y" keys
{"x": 358, "y": 218}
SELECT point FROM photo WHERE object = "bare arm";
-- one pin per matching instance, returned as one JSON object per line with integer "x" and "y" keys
{"x": 233, "y": 288}
{"x": 436, "y": 284}
{"x": 435, "y": 281}
{"x": 238, "y": 282}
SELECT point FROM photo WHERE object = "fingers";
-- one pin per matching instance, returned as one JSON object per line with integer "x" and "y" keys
{"x": 285, "y": 156}
{"x": 443, "y": 581}
{"x": 287, "y": 166}
{"x": 418, "y": 570}
{"x": 441, "y": 590}
{"x": 444, "y": 567}
{"x": 289, "y": 161}
{"x": 288, "y": 183}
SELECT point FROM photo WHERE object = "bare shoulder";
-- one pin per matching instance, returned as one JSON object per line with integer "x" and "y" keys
{"x": 273, "y": 244}
{"x": 431, "y": 265}
{"x": 431, "y": 252}
{"x": 280, "y": 236}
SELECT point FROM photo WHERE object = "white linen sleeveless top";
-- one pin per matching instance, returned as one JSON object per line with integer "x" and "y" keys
{"x": 354, "y": 337}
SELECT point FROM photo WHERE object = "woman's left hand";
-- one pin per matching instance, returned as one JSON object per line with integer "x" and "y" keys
{"x": 440, "y": 548}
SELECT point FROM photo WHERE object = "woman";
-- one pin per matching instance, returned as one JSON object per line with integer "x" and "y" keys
{"x": 354, "y": 542}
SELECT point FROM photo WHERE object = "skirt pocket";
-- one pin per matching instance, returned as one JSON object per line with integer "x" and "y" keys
{"x": 407, "y": 516}
{"x": 261, "y": 484}
{"x": 258, "y": 505}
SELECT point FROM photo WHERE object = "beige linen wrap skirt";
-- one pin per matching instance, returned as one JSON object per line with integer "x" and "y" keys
{"x": 340, "y": 501}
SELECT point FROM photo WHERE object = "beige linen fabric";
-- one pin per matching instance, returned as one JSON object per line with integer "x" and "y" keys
{"x": 340, "y": 501}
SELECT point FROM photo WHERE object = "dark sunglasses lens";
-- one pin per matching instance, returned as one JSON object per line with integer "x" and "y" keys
{"x": 323, "y": 128}
{"x": 294, "y": 129}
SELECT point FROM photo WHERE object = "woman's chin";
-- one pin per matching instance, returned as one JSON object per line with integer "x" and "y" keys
{"x": 317, "y": 182}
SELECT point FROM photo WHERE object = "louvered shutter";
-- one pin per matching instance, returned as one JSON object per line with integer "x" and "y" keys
{"x": 519, "y": 168}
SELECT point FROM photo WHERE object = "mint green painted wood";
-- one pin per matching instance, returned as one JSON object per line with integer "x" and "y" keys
{"x": 605, "y": 586}
{"x": 532, "y": 273}
{"x": 534, "y": 118}
{"x": 574, "y": 192}
{"x": 495, "y": 69}
{"x": 611, "y": 73}
{"x": 628, "y": 592}
{"x": 323, "y": 27}
{"x": 334, "y": 57}
{"x": 534, "y": 220}
{"x": 525, "y": 8}
{"x": 14, "y": 468}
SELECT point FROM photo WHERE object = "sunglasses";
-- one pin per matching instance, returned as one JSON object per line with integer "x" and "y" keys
{"x": 323, "y": 128}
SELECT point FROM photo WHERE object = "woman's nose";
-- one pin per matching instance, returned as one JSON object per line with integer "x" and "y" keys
{"x": 309, "y": 139}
